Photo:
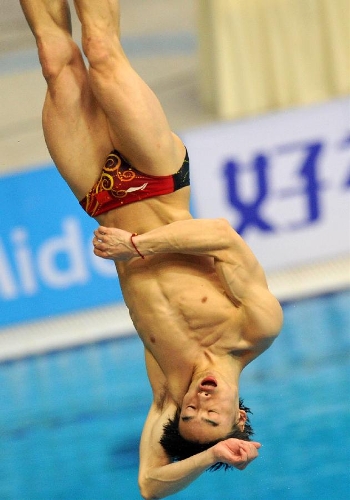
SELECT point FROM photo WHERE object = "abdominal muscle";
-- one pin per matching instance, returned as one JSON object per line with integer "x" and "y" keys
{"x": 176, "y": 301}
{"x": 178, "y": 306}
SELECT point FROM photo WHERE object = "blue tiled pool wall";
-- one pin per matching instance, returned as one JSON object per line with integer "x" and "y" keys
{"x": 70, "y": 421}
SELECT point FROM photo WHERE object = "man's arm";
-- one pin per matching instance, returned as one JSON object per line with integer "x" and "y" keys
{"x": 159, "y": 478}
{"x": 191, "y": 236}
{"x": 237, "y": 267}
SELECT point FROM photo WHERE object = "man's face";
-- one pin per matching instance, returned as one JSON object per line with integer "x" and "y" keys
{"x": 209, "y": 409}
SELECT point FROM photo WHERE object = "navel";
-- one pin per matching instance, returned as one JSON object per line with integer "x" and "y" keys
{"x": 152, "y": 339}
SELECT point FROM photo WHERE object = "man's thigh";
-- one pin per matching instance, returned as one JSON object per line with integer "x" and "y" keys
{"x": 139, "y": 127}
{"x": 75, "y": 129}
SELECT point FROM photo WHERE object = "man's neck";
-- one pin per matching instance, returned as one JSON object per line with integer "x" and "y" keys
{"x": 228, "y": 368}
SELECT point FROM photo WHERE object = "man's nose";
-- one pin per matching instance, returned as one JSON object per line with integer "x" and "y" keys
{"x": 204, "y": 394}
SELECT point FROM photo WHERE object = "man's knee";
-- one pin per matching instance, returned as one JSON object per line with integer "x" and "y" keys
{"x": 103, "y": 51}
{"x": 56, "y": 53}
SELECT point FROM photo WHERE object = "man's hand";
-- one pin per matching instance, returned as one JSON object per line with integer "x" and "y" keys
{"x": 236, "y": 452}
{"x": 112, "y": 243}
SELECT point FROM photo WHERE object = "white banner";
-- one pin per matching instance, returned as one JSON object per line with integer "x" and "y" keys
{"x": 282, "y": 180}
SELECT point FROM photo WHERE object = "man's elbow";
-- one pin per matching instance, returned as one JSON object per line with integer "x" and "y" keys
{"x": 277, "y": 320}
{"x": 225, "y": 235}
{"x": 147, "y": 496}
{"x": 146, "y": 492}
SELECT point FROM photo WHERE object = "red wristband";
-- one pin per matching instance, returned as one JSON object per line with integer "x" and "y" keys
{"x": 133, "y": 244}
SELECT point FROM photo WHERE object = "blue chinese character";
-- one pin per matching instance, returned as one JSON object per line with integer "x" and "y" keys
{"x": 250, "y": 212}
{"x": 344, "y": 145}
{"x": 311, "y": 185}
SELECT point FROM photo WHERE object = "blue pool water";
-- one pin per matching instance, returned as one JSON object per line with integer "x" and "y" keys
{"x": 70, "y": 421}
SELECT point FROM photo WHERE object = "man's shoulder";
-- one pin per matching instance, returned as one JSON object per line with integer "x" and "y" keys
{"x": 263, "y": 313}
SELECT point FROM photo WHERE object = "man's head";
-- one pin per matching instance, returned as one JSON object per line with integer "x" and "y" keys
{"x": 210, "y": 409}
{"x": 211, "y": 412}
{"x": 179, "y": 448}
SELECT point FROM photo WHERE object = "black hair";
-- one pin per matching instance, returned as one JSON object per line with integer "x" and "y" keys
{"x": 178, "y": 448}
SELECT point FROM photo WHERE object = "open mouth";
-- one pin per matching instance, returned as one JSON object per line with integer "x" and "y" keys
{"x": 209, "y": 382}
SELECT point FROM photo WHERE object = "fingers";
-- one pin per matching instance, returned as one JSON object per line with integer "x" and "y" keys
{"x": 102, "y": 253}
{"x": 100, "y": 248}
{"x": 243, "y": 461}
{"x": 244, "y": 455}
{"x": 102, "y": 230}
{"x": 241, "y": 442}
{"x": 97, "y": 237}
{"x": 101, "y": 237}
{"x": 98, "y": 243}
{"x": 237, "y": 452}
{"x": 101, "y": 233}
{"x": 99, "y": 253}
{"x": 248, "y": 452}
{"x": 249, "y": 449}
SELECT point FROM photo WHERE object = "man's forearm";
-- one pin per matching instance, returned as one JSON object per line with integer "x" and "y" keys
{"x": 212, "y": 237}
{"x": 159, "y": 482}
{"x": 169, "y": 479}
{"x": 194, "y": 236}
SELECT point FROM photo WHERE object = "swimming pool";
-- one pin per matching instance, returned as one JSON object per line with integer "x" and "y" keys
{"x": 70, "y": 421}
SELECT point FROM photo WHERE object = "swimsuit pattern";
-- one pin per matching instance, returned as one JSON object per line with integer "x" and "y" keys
{"x": 121, "y": 184}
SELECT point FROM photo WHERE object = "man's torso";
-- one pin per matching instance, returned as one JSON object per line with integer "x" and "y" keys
{"x": 177, "y": 302}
